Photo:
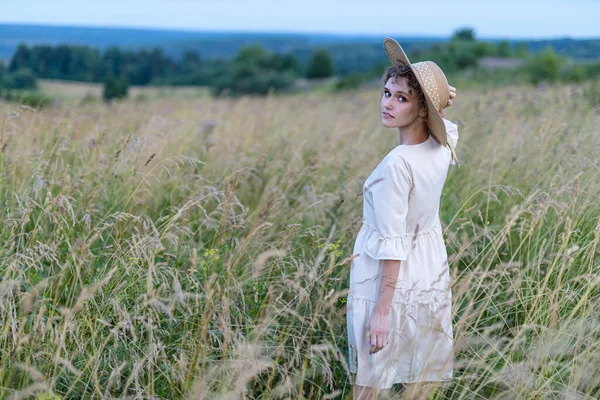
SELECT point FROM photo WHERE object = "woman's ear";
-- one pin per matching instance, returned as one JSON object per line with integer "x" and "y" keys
{"x": 423, "y": 112}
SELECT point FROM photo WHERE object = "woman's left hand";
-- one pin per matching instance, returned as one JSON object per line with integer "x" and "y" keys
{"x": 452, "y": 95}
{"x": 378, "y": 331}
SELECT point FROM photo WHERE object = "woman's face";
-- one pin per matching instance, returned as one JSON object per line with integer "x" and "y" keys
{"x": 399, "y": 104}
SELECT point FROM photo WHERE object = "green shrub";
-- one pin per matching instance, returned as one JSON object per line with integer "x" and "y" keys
{"x": 29, "y": 98}
{"x": 115, "y": 88}
{"x": 320, "y": 65}
{"x": 248, "y": 80}
{"x": 254, "y": 70}
{"x": 592, "y": 93}
{"x": 349, "y": 82}
{"x": 592, "y": 70}
{"x": 545, "y": 67}
{"x": 23, "y": 78}
{"x": 573, "y": 74}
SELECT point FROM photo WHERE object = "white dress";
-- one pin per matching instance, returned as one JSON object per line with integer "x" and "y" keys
{"x": 401, "y": 222}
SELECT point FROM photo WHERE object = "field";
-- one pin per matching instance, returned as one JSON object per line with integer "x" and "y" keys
{"x": 192, "y": 247}
{"x": 70, "y": 93}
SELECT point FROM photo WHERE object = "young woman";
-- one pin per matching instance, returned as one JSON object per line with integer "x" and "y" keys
{"x": 399, "y": 300}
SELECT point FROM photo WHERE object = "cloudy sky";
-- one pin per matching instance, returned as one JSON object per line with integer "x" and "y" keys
{"x": 490, "y": 18}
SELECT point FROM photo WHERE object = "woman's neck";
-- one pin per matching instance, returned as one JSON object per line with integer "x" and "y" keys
{"x": 413, "y": 134}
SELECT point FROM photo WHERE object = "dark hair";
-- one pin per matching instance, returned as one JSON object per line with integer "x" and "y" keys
{"x": 413, "y": 84}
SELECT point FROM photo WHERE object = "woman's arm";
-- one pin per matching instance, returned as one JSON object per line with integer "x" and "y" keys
{"x": 378, "y": 327}
{"x": 391, "y": 268}
{"x": 390, "y": 243}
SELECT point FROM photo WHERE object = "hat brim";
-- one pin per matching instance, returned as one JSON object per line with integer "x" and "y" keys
{"x": 398, "y": 57}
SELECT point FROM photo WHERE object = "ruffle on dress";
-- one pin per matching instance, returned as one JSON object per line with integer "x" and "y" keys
{"x": 423, "y": 302}
{"x": 381, "y": 247}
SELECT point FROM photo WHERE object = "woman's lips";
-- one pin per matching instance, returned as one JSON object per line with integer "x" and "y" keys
{"x": 386, "y": 115}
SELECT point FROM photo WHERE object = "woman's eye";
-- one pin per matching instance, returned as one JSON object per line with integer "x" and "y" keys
{"x": 401, "y": 99}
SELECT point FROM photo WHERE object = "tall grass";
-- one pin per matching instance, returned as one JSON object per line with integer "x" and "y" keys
{"x": 200, "y": 249}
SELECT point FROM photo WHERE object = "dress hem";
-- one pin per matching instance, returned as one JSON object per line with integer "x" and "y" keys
{"x": 432, "y": 377}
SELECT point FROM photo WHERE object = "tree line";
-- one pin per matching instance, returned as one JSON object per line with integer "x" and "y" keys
{"x": 252, "y": 70}
{"x": 256, "y": 70}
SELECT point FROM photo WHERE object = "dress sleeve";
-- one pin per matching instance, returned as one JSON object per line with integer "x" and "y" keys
{"x": 389, "y": 240}
{"x": 452, "y": 130}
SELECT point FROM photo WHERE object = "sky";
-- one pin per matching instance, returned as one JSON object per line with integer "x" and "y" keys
{"x": 489, "y": 18}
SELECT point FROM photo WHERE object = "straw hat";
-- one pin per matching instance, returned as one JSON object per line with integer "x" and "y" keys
{"x": 435, "y": 88}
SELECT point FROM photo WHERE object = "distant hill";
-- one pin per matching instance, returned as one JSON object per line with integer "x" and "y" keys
{"x": 580, "y": 49}
{"x": 348, "y": 51}
{"x": 174, "y": 42}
